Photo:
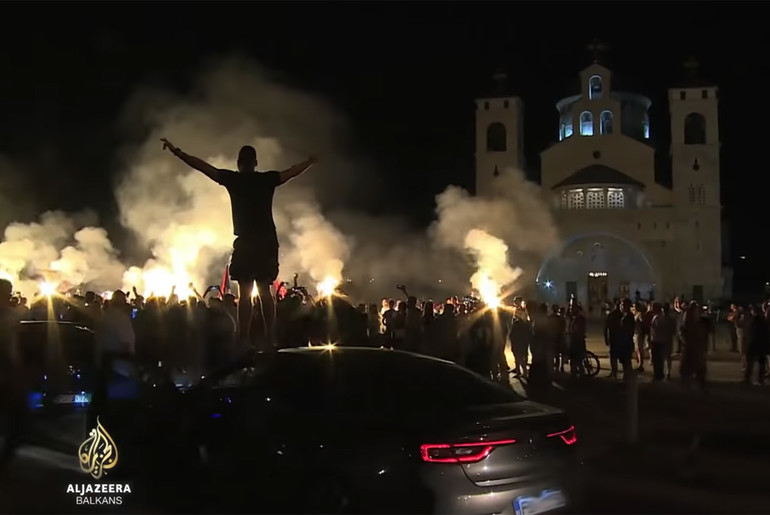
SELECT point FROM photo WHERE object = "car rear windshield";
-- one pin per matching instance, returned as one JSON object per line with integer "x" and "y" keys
{"x": 373, "y": 381}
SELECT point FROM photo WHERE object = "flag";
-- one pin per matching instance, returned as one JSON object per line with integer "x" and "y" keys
{"x": 224, "y": 285}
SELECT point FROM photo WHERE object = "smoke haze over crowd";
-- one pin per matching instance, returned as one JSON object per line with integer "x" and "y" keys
{"x": 184, "y": 218}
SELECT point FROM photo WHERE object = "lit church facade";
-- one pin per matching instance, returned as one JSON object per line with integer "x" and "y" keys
{"x": 622, "y": 234}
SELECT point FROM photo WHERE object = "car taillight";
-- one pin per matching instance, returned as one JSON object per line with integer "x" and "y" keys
{"x": 567, "y": 436}
{"x": 459, "y": 452}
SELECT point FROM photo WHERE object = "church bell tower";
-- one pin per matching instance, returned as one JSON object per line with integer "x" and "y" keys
{"x": 695, "y": 147}
{"x": 499, "y": 136}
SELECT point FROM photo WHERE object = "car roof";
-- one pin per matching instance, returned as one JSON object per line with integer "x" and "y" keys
{"x": 361, "y": 351}
{"x": 61, "y": 323}
{"x": 361, "y": 355}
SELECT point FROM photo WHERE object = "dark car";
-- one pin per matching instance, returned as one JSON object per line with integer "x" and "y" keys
{"x": 329, "y": 430}
{"x": 58, "y": 359}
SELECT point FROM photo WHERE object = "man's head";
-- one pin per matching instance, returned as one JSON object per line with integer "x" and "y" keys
{"x": 247, "y": 159}
{"x": 626, "y": 305}
{"x": 6, "y": 290}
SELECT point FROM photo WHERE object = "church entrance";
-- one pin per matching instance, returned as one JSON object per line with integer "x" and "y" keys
{"x": 595, "y": 268}
{"x": 624, "y": 291}
{"x": 598, "y": 289}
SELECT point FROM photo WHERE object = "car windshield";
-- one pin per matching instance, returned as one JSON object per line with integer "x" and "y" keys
{"x": 355, "y": 380}
{"x": 72, "y": 344}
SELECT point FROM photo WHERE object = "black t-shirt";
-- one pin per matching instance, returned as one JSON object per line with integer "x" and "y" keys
{"x": 251, "y": 197}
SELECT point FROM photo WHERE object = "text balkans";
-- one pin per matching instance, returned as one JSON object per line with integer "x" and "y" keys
{"x": 100, "y": 493}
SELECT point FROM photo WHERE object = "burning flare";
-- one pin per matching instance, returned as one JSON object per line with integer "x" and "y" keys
{"x": 47, "y": 289}
{"x": 327, "y": 287}
{"x": 489, "y": 291}
{"x": 159, "y": 281}
{"x": 493, "y": 273}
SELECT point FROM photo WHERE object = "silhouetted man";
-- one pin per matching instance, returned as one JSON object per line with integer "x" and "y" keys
{"x": 255, "y": 250}
{"x": 12, "y": 390}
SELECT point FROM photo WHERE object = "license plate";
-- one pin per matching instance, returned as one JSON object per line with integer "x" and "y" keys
{"x": 548, "y": 500}
{"x": 81, "y": 398}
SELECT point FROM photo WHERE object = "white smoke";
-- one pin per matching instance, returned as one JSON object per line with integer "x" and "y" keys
{"x": 507, "y": 236}
{"x": 318, "y": 246}
{"x": 184, "y": 219}
{"x": 61, "y": 249}
{"x": 492, "y": 260}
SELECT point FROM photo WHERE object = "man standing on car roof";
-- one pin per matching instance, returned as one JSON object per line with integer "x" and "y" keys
{"x": 255, "y": 250}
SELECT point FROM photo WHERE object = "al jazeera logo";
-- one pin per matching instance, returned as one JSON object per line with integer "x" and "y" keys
{"x": 98, "y": 455}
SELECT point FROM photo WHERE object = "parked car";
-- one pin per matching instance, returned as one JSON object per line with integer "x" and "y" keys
{"x": 59, "y": 363}
{"x": 343, "y": 429}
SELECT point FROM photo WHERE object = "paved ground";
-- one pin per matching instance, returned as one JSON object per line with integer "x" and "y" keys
{"x": 696, "y": 452}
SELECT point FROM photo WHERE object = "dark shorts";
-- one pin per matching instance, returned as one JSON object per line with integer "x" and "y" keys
{"x": 253, "y": 261}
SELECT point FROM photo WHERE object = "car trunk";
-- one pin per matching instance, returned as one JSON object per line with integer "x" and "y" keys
{"x": 502, "y": 444}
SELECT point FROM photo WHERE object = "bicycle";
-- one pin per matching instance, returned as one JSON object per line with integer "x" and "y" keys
{"x": 591, "y": 365}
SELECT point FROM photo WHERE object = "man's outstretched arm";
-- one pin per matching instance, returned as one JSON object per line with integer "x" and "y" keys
{"x": 297, "y": 169}
{"x": 197, "y": 163}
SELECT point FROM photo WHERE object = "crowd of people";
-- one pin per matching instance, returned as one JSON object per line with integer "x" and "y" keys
{"x": 528, "y": 339}
{"x": 202, "y": 333}
{"x": 687, "y": 329}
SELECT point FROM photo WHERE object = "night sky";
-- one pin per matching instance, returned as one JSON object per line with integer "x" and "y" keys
{"x": 405, "y": 73}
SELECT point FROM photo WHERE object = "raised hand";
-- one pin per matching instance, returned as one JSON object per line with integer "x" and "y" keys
{"x": 167, "y": 145}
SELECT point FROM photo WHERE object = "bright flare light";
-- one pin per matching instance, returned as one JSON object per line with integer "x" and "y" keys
{"x": 327, "y": 287}
{"x": 47, "y": 289}
{"x": 254, "y": 291}
{"x": 160, "y": 281}
{"x": 489, "y": 292}
{"x": 8, "y": 277}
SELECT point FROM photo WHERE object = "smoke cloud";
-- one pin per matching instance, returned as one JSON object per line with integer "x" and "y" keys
{"x": 184, "y": 219}
{"x": 62, "y": 249}
{"x": 507, "y": 236}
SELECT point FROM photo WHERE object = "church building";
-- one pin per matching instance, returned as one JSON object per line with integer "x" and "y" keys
{"x": 622, "y": 234}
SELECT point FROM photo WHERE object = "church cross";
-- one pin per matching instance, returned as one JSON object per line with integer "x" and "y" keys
{"x": 597, "y": 50}
{"x": 692, "y": 65}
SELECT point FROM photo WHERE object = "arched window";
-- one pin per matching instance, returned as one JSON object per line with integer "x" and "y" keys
{"x": 695, "y": 129}
{"x": 576, "y": 199}
{"x": 606, "y": 122}
{"x": 586, "y": 123}
{"x": 646, "y": 126}
{"x": 496, "y": 138}
{"x": 595, "y": 198}
{"x": 595, "y": 87}
{"x": 615, "y": 198}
